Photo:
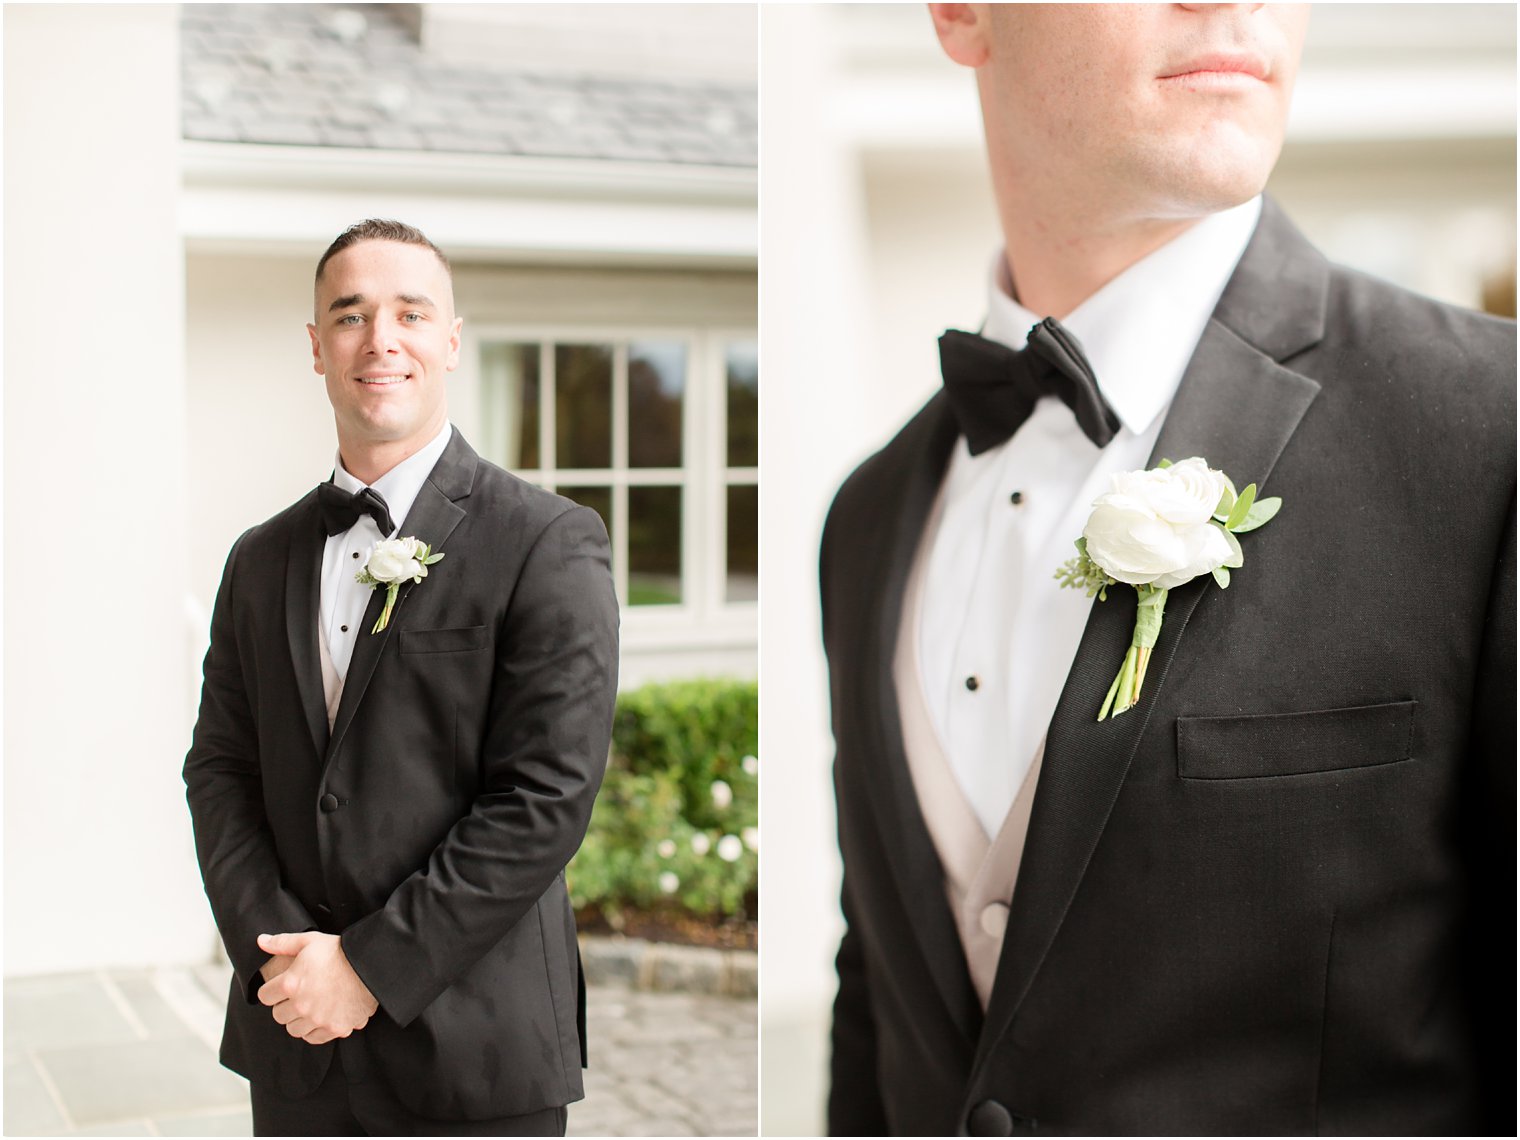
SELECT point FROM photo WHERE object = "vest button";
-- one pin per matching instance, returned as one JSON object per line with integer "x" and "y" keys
{"x": 329, "y": 802}
{"x": 994, "y": 919}
{"x": 990, "y": 1119}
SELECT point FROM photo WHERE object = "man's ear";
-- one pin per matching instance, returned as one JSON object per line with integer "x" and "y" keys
{"x": 962, "y": 30}
{"x": 316, "y": 351}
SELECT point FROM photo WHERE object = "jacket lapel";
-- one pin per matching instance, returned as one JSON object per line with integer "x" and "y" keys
{"x": 432, "y": 518}
{"x": 1237, "y": 408}
{"x": 303, "y": 571}
{"x": 914, "y": 863}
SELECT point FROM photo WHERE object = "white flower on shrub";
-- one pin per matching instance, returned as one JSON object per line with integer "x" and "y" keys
{"x": 751, "y": 838}
{"x": 730, "y": 847}
{"x": 751, "y": 765}
{"x": 666, "y": 848}
{"x": 669, "y": 882}
{"x": 722, "y": 795}
{"x": 700, "y": 843}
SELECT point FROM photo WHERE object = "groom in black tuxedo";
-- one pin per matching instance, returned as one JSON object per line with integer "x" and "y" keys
{"x": 383, "y": 810}
{"x": 1277, "y": 896}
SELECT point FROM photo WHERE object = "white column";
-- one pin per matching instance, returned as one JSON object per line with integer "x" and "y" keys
{"x": 99, "y": 867}
{"x": 817, "y": 421}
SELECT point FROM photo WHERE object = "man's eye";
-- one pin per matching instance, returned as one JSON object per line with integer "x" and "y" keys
{"x": 411, "y": 318}
{"x": 350, "y": 319}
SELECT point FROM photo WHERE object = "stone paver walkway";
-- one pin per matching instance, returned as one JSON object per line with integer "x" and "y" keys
{"x": 133, "y": 1053}
{"x": 669, "y": 1065}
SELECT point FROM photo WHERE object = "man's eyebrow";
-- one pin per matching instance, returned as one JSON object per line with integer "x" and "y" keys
{"x": 353, "y": 299}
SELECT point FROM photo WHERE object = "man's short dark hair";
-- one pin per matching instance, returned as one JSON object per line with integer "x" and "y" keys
{"x": 381, "y": 229}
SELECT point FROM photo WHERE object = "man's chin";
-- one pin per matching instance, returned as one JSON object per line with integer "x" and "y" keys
{"x": 375, "y": 432}
{"x": 1199, "y": 192}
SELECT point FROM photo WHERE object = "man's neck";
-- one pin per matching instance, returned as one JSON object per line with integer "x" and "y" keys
{"x": 368, "y": 461}
{"x": 1056, "y": 262}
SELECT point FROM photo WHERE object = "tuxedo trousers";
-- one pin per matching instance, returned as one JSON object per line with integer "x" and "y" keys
{"x": 354, "y": 1100}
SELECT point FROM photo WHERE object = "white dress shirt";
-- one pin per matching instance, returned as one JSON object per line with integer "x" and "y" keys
{"x": 997, "y": 635}
{"x": 343, "y": 599}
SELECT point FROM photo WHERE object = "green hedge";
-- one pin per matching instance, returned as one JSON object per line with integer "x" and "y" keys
{"x": 674, "y": 827}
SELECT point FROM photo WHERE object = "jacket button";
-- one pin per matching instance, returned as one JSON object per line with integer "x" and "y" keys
{"x": 990, "y": 1119}
{"x": 329, "y": 802}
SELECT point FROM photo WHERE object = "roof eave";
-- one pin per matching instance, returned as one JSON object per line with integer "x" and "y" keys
{"x": 250, "y": 165}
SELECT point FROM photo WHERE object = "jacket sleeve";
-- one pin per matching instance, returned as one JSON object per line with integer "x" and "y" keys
{"x": 855, "y": 1105}
{"x": 224, "y": 786}
{"x": 1488, "y": 829}
{"x": 542, "y": 761}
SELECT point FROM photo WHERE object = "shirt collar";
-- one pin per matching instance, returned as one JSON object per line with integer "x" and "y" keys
{"x": 1139, "y": 331}
{"x": 400, "y": 485}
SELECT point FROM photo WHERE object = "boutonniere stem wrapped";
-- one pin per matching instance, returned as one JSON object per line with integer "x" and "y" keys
{"x": 1155, "y": 530}
{"x": 390, "y": 562}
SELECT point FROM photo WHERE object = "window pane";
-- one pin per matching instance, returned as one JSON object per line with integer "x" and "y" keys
{"x": 583, "y": 405}
{"x": 654, "y": 546}
{"x": 743, "y": 366}
{"x": 743, "y": 584}
{"x": 599, "y": 499}
{"x": 656, "y": 383}
{"x": 509, "y": 396}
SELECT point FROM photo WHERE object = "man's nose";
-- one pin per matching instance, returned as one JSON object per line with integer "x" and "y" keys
{"x": 382, "y": 336}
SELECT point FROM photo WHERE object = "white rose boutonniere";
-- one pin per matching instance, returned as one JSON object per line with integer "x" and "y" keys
{"x": 1155, "y": 530}
{"x": 390, "y": 562}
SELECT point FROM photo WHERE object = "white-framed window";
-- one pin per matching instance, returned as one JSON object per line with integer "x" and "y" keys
{"x": 655, "y": 428}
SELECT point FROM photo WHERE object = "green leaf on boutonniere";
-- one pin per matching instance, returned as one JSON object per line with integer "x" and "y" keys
{"x": 1237, "y": 557}
{"x": 1082, "y": 573}
{"x": 1222, "y": 576}
{"x": 1261, "y": 513}
{"x": 1226, "y": 499}
{"x": 1242, "y": 506}
{"x": 1163, "y": 464}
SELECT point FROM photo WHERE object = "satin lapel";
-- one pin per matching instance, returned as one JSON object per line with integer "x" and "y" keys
{"x": 432, "y": 519}
{"x": 1237, "y": 408}
{"x": 303, "y": 572}
{"x": 914, "y": 863}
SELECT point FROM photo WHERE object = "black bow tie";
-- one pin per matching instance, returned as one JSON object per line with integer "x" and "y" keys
{"x": 993, "y": 388}
{"x": 340, "y": 510}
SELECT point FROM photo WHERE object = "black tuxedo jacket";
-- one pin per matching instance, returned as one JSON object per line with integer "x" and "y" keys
{"x": 431, "y": 827}
{"x": 1279, "y": 895}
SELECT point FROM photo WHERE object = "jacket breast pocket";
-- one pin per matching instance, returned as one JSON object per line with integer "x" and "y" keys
{"x": 1291, "y": 744}
{"x": 443, "y": 640}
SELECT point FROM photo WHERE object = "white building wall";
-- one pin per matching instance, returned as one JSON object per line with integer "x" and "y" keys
{"x": 259, "y": 426}
{"x": 99, "y": 867}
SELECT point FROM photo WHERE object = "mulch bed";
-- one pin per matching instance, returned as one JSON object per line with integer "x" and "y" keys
{"x": 673, "y": 926}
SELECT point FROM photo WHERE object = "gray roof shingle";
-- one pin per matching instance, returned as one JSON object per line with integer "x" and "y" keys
{"x": 354, "y": 75}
